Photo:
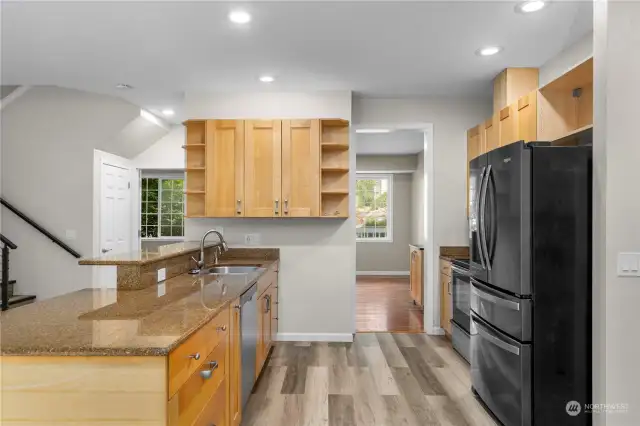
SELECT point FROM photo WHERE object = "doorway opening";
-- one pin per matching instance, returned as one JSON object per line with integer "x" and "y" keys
{"x": 390, "y": 206}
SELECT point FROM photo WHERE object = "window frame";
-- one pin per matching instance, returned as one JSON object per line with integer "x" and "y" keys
{"x": 161, "y": 176}
{"x": 363, "y": 175}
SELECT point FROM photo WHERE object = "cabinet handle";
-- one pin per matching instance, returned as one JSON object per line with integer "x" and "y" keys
{"x": 449, "y": 287}
{"x": 222, "y": 328}
{"x": 286, "y": 206}
{"x": 207, "y": 374}
{"x": 275, "y": 209}
{"x": 195, "y": 356}
{"x": 239, "y": 207}
{"x": 268, "y": 304}
{"x": 237, "y": 307}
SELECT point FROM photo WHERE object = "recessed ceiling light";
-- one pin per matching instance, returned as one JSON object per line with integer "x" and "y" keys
{"x": 168, "y": 112}
{"x": 372, "y": 130}
{"x": 488, "y": 51}
{"x": 123, "y": 86}
{"x": 240, "y": 17}
{"x": 267, "y": 79}
{"x": 530, "y": 6}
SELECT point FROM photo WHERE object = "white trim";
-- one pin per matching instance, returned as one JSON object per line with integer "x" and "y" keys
{"x": 13, "y": 96}
{"x": 314, "y": 337}
{"x": 383, "y": 273}
{"x": 389, "y": 177}
{"x": 380, "y": 172}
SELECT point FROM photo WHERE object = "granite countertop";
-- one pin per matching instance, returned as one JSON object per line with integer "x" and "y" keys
{"x": 110, "y": 322}
{"x": 144, "y": 257}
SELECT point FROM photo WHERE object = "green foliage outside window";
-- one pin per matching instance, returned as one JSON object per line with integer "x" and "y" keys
{"x": 162, "y": 213}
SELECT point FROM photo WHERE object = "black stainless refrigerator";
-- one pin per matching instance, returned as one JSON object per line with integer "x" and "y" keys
{"x": 530, "y": 247}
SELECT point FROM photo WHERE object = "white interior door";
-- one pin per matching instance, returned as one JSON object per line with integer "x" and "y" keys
{"x": 115, "y": 217}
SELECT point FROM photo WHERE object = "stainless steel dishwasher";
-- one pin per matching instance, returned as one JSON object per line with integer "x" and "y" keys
{"x": 249, "y": 332}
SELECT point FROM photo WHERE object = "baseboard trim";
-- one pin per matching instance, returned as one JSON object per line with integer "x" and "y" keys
{"x": 315, "y": 337}
{"x": 384, "y": 273}
{"x": 437, "y": 331}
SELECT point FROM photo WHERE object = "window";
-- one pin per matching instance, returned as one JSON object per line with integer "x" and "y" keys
{"x": 374, "y": 199}
{"x": 162, "y": 207}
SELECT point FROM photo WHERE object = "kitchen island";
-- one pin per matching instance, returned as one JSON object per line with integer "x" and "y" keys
{"x": 165, "y": 354}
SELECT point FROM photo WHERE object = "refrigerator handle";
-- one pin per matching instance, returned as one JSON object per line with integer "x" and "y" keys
{"x": 483, "y": 205}
{"x": 477, "y": 215}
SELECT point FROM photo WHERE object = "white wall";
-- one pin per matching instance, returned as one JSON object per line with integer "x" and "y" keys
{"x": 418, "y": 202}
{"x": 48, "y": 139}
{"x": 317, "y": 274}
{"x": 567, "y": 59}
{"x": 616, "y": 348}
{"x": 450, "y": 118}
{"x": 166, "y": 154}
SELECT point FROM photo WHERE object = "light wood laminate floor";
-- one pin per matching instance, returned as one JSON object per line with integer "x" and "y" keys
{"x": 381, "y": 379}
{"x": 385, "y": 304}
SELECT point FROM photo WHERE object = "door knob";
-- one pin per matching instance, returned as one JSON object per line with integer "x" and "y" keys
{"x": 105, "y": 250}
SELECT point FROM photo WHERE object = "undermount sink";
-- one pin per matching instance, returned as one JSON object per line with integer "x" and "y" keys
{"x": 233, "y": 269}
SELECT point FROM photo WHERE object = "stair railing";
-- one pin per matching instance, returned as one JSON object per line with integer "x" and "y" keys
{"x": 7, "y": 246}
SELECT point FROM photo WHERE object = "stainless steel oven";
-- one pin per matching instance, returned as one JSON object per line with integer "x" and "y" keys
{"x": 461, "y": 323}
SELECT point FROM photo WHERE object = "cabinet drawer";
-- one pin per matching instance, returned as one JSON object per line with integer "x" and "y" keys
{"x": 445, "y": 267}
{"x": 190, "y": 355}
{"x": 187, "y": 404}
{"x": 216, "y": 409}
{"x": 269, "y": 277}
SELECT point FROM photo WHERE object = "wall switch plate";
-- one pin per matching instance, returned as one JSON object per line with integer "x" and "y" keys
{"x": 162, "y": 289}
{"x": 252, "y": 239}
{"x": 629, "y": 264}
{"x": 70, "y": 234}
{"x": 162, "y": 274}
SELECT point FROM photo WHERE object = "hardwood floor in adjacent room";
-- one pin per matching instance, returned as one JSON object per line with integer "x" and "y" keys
{"x": 380, "y": 379}
{"x": 384, "y": 304}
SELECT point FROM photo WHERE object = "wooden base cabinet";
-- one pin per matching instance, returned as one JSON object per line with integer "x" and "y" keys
{"x": 235, "y": 367}
{"x": 267, "y": 318}
{"x": 446, "y": 296}
{"x": 416, "y": 276}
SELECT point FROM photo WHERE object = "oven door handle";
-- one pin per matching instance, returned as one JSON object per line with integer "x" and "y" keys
{"x": 499, "y": 301}
{"x": 492, "y": 338}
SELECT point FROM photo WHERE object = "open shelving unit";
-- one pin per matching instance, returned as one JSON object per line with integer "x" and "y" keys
{"x": 334, "y": 168}
{"x": 565, "y": 105}
{"x": 195, "y": 167}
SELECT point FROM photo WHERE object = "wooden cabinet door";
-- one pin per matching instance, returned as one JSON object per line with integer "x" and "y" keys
{"x": 528, "y": 117}
{"x": 301, "y": 168}
{"x": 263, "y": 145}
{"x": 274, "y": 311}
{"x": 412, "y": 273}
{"x": 508, "y": 125}
{"x": 418, "y": 282}
{"x": 235, "y": 367}
{"x": 224, "y": 168}
{"x": 491, "y": 135}
{"x": 446, "y": 308}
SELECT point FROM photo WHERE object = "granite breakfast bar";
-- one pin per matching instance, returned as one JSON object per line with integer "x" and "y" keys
{"x": 159, "y": 354}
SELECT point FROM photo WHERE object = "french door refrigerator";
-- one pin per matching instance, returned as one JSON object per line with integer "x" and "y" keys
{"x": 530, "y": 263}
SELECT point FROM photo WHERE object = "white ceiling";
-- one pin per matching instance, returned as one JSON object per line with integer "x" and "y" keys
{"x": 372, "y": 48}
{"x": 397, "y": 142}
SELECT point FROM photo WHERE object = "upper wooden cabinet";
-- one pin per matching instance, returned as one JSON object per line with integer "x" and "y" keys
{"x": 475, "y": 147}
{"x": 267, "y": 168}
{"x": 508, "y": 127}
{"x": 491, "y": 133}
{"x": 225, "y": 168}
{"x": 301, "y": 168}
{"x": 263, "y": 170}
{"x": 528, "y": 117}
{"x": 511, "y": 84}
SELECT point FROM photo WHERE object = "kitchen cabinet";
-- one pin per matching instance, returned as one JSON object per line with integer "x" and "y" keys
{"x": 235, "y": 366}
{"x": 416, "y": 276}
{"x": 263, "y": 169}
{"x": 300, "y": 168}
{"x": 491, "y": 134}
{"x": 528, "y": 117}
{"x": 446, "y": 296}
{"x": 511, "y": 84}
{"x": 475, "y": 147}
{"x": 335, "y": 167}
{"x": 508, "y": 126}
{"x": 225, "y": 168}
{"x": 267, "y": 321}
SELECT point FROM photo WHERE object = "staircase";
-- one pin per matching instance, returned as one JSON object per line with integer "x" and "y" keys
{"x": 7, "y": 285}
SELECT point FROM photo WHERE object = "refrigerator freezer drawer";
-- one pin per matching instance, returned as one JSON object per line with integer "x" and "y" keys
{"x": 461, "y": 341}
{"x": 501, "y": 373}
{"x": 507, "y": 313}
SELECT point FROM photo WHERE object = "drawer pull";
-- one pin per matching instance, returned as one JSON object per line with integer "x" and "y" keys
{"x": 222, "y": 328}
{"x": 207, "y": 374}
{"x": 195, "y": 356}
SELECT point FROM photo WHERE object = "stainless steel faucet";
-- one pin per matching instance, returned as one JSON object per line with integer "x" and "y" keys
{"x": 222, "y": 244}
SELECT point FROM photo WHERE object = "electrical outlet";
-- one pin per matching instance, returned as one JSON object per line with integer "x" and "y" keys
{"x": 252, "y": 239}
{"x": 162, "y": 274}
{"x": 162, "y": 289}
{"x": 629, "y": 264}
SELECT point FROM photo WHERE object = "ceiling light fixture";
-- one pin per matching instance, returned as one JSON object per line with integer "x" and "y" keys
{"x": 530, "y": 6}
{"x": 372, "y": 130}
{"x": 240, "y": 17}
{"x": 123, "y": 86}
{"x": 267, "y": 79}
{"x": 168, "y": 112}
{"x": 488, "y": 51}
